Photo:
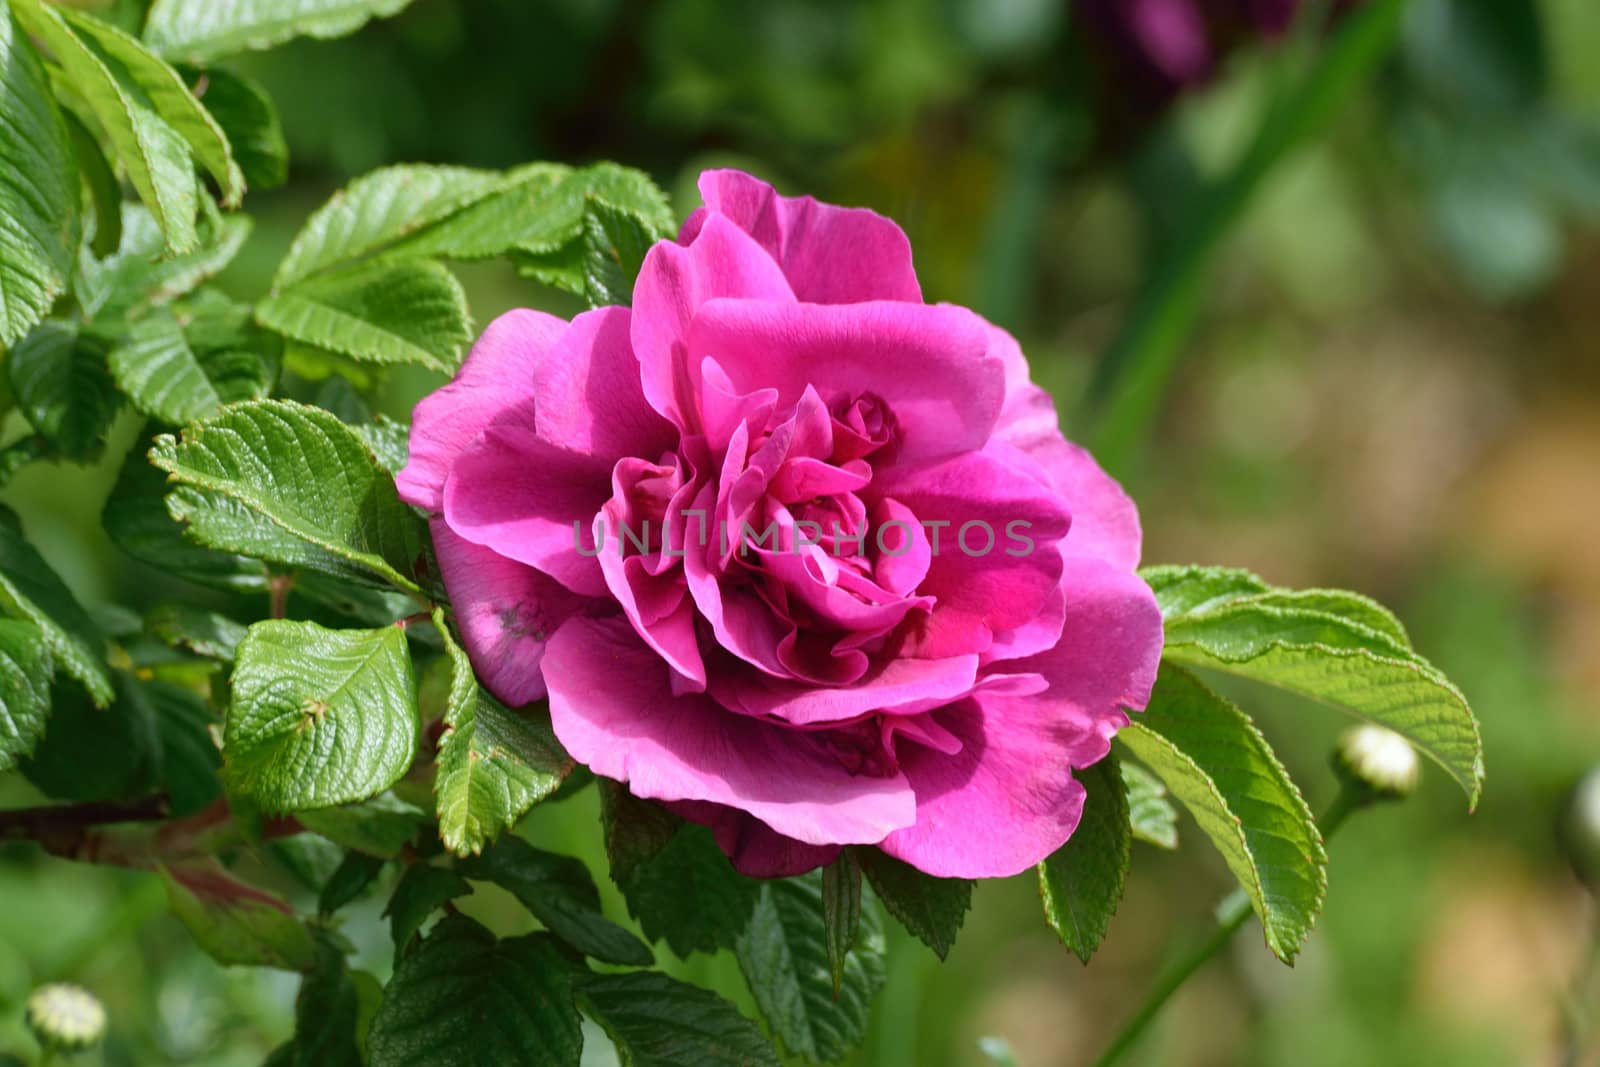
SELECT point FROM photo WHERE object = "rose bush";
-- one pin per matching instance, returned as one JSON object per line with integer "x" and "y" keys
{"x": 790, "y": 550}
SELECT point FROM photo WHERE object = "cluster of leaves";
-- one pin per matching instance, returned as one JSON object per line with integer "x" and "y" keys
{"x": 322, "y": 695}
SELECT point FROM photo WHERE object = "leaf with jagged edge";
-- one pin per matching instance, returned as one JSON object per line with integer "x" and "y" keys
{"x": 234, "y": 922}
{"x": 39, "y": 201}
{"x": 421, "y": 891}
{"x": 1214, "y": 760}
{"x": 1081, "y": 883}
{"x": 1151, "y": 815}
{"x": 168, "y": 376}
{"x": 249, "y": 120}
{"x": 199, "y": 31}
{"x": 30, "y": 590}
{"x": 931, "y": 909}
{"x": 24, "y": 689}
{"x": 657, "y": 1021}
{"x": 62, "y": 385}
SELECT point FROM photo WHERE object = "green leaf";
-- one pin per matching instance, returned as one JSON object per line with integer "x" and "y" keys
{"x": 168, "y": 377}
{"x": 39, "y": 201}
{"x": 784, "y": 956}
{"x": 615, "y": 242}
{"x": 932, "y": 909}
{"x": 327, "y": 1013}
{"x": 841, "y": 912}
{"x": 493, "y": 763}
{"x": 386, "y": 311}
{"x": 1081, "y": 883}
{"x": 381, "y": 827}
{"x": 354, "y": 876}
{"x": 155, "y": 156}
{"x": 421, "y": 891}
{"x": 378, "y": 210}
{"x": 205, "y": 633}
{"x": 1337, "y": 648}
{"x": 100, "y": 181}
{"x": 1214, "y": 760}
{"x": 30, "y": 590}
{"x": 1151, "y": 815}
{"x": 319, "y": 717}
{"x": 236, "y": 923}
{"x": 561, "y": 894}
{"x": 141, "y": 273}
{"x": 676, "y": 881}
{"x": 188, "y": 758}
{"x": 90, "y": 753}
{"x": 463, "y": 1000}
{"x": 24, "y": 689}
{"x": 198, "y": 31}
{"x": 259, "y": 474}
{"x": 61, "y": 383}
{"x": 165, "y": 90}
{"x": 249, "y": 120}
{"x": 657, "y": 1021}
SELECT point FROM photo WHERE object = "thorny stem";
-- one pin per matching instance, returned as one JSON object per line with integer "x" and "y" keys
{"x": 1233, "y": 913}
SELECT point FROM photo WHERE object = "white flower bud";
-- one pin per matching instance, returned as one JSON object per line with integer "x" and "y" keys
{"x": 65, "y": 1017}
{"x": 1380, "y": 759}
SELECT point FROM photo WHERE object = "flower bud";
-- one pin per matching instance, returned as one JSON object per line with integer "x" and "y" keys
{"x": 1379, "y": 759}
{"x": 1580, "y": 829}
{"x": 65, "y": 1017}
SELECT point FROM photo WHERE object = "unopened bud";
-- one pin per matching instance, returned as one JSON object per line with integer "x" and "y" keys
{"x": 1379, "y": 759}
{"x": 65, "y": 1017}
{"x": 1580, "y": 829}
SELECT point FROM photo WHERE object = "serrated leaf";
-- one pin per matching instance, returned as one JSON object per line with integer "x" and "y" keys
{"x": 90, "y": 753}
{"x": 30, "y": 590}
{"x": 615, "y": 242}
{"x": 100, "y": 181}
{"x": 493, "y": 763}
{"x": 386, "y": 311}
{"x": 657, "y": 1021}
{"x": 676, "y": 881}
{"x": 327, "y": 1013}
{"x": 1337, "y": 648}
{"x": 62, "y": 384}
{"x": 39, "y": 201}
{"x": 390, "y": 441}
{"x": 1214, "y": 760}
{"x": 421, "y": 891}
{"x": 249, "y": 120}
{"x": 381, "y": 827}
{"x": 166, "y": 92}
{"x": 24, "y": 689}
{"x": 141, "y": 273}
{"x": 205, "y": 633}
{"x": 560, "y": 893}
{"x": 155, "y": 156}
{"x": 354, "y": 876}
{"x": 188, "y": 758}
{"x": 1081, "y": 883}
{"x": 783, "y": 954}
{"x": 236, "y": 923}
{"x": 260, "y": 473}
{"x": 377, "y": 210}
{"x": 841, "y": 912}
{"x": 319, "y": 717}
{"x": 171, "y": 379}
{"x": 1151, "y": 815}
{"x": 931, "y": 909}
{"x": 197, "y": 31}
{"x": 463, "y": 1000}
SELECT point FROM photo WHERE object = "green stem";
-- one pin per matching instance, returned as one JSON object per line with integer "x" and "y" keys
{"x": 1126, "y": 391}
{"x": 1575, "y": 1021}
{"x": 1231, "y": 915}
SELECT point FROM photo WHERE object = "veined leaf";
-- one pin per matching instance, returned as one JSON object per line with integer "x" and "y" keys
{"x": 1150, "y": 813}
{"x": 1337, "y": 648}
{"x": 1081, "y": 883}
{"x": 24, "y": 689}
{"x": 260, "y": 473}
{"x": 155, "y": 155}
{"x": 387, "y": 311}
{"x": 100, "y": 181}
{"x": 493, "y": 763}
{"x": 615, "y": 242}
{"x": 319, "y": 717}
{"x": 784, "y": 956}
{"x": 61, "y": 383}
{"x": 376, "y": 211}
{"x": 205, "y": 633}
{"x": 236, "y": 923}
{"x": 140, "y": 272}
{"x": 841, "y": 912}
{"x": 167, "y": 93}
{"x": 39, "y": 201}
{"x": 249, "y": 120}
{"x": 169, "y": 378}
{"x": 30, "y": 590}
{"x": 931, "y": 909}
{"x": 327, "y": 1012}
{"x": 354, "y": 876}
{"x": 1214, "y": 760}
{"x": 561, "y": 894}
{"x": 464, "y": 999}
{"x": 383, "y": 826}
{"x": 657, "y": 1021}
{"x": 421, "y": 891}
{"x": 198, "y": 31}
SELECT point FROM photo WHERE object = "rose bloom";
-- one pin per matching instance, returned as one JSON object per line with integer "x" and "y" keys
{"x": 898, "y": 681}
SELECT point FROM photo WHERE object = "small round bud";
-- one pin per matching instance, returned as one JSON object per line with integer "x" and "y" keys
{"x": 1379, "y": 759}
{"x": 65, "y": 1017}
{"x": 1580, "y": 829}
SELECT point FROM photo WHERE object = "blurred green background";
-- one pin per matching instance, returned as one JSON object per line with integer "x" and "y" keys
{"x": 1393, "y": 386}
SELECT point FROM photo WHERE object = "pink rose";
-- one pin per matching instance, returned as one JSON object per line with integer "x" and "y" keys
{"x": 792, "y": 551}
